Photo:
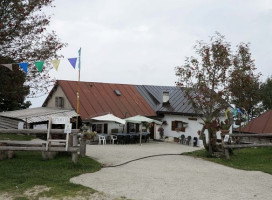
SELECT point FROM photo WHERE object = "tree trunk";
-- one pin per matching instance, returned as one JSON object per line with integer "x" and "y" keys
{"x": 203, "y": 137}
{"x": 210, "y": 141}
{"x": 211, "y": 146}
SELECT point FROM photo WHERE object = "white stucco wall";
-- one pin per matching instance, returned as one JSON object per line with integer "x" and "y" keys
{"x": 191, "y": 130}
{"x": 59, "y": 93}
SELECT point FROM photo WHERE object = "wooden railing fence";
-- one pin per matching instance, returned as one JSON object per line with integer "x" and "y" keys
{"x": 77, "y": 142}
{"x": 235, "y": 141}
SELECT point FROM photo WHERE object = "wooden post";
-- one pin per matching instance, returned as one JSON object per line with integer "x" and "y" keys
{"x": 75, "y": 140}
{"x": 44, "y": 155}
{"x": 227, "y": 153}
{"x": 141, "y": 134}
{"x": 83, "y": 146}
{"x": 48, "y": 132}
{"x": 226, "y": 150}
{"x": 75, "y": 144}
{"x": 74, "y": 157}
{"x": 155, "y": 132}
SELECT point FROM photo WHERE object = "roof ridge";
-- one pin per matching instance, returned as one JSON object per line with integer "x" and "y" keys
{"x": 173, "y": 87}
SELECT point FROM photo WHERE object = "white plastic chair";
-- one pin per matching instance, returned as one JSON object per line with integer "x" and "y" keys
{"x": 102, "y": 139}
{"x": 113, "y": 138}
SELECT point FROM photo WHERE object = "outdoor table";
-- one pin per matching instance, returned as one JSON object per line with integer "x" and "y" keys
{"x": 103, "y": 134}
{"x": 127, "y": 138}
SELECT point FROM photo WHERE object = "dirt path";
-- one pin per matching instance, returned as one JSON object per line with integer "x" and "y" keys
{"x": 170, "y": 177}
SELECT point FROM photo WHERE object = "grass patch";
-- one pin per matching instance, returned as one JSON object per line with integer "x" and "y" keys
{"x": 9, "y": 136}
{"x": 251, "y": 159}
{"x": 28, "y": 169}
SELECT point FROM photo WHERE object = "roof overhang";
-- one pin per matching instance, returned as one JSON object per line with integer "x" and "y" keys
{"x": 41, "y": 114}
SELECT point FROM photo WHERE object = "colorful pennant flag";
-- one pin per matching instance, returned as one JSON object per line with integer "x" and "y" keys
{"x": 39, "y": 65}
{"x": 73, "y": 62}
{"x": 9, "y": 66}
{"x": 55, "y": 64}
{"x": 234, "y": 112}
{"x": 238, "y": 110}
{"x": 24, "y": 66}
{"x": 79, "y": 55}
{"x": 226, "y": 113}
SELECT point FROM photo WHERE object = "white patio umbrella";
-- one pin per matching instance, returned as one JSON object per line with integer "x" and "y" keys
{"x": 109, "y": 118}
{"x": 138, "y": 119}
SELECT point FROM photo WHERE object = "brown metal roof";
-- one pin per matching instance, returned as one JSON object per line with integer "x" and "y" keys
{"x": 100, "y": 98}
{"x": 261, "y": 124}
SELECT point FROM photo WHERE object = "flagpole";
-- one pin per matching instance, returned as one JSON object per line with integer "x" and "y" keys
{"x": 78, "y": 87}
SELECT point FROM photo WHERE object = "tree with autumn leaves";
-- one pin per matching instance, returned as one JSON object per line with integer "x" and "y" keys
{"x": 24, "y": 37}
{"x": 214, "y": 79}
{"x": 12, "y": 89}
{"x": 244, "y": 84}
{"x": 266, "y": 88}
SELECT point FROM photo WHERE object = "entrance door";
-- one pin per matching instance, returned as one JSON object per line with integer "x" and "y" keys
{"x": 106, "y": 128}
{"x": 151, "y": 129}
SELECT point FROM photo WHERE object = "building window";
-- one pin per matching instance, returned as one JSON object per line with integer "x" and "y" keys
{"x": 179, "y": 126}
{"x": 97, "y": 128}
{"x": 59, "y": 102}
{"x": 132, "y": 128}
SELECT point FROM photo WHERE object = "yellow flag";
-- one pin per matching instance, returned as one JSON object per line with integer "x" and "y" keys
{"x": 55, "y": 64}
{"x": 226, "y": 113}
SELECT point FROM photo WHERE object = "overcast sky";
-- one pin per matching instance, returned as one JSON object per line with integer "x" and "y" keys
{"x": 142, "y": 41}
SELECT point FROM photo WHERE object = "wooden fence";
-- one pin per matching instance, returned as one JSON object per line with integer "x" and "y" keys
{"x": 235, "y": 142}
{"x": 73, "y": 145}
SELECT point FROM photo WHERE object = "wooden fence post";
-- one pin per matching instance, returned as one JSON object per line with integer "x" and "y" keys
{"x": 82, "y": 145}
{"x": 227, "y": 153}
{"x": 75, "y": 144}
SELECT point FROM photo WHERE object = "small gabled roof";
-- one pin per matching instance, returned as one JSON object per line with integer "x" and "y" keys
{"x": 121, "y": 100}
{"x": 33, "y": 115}
{"x": 178, "y": 103}
{"x": 261, "y": 124}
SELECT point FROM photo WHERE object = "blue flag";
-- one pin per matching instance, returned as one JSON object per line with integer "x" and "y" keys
{"x": 24, "y": 66}
{"x": 239, "y": 110}
{"x": 73, "y": 62}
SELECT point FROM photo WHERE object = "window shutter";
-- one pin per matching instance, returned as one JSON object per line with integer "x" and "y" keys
{"x": 61, "y": 102}
{"x": 56, "y": 102}
{"x": 174, "y": 125}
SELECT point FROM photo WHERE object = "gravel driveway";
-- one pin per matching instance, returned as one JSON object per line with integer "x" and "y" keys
{"x": 170, "y": 177}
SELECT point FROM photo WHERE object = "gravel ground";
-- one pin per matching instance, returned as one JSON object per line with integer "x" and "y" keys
{"x": 170, "y": 177}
